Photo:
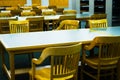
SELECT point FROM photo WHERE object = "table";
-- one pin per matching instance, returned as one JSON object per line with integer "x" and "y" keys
{"x": 20, "y": 43}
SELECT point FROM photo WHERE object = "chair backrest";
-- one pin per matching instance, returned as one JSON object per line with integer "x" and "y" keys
{"x": 68, "y": 24}
{"x": 36, "y": 23}
{"x": 45, "y": 13}
{"x": 67, "y": 17}
{"x": 52, "y": 7}
{"x": 31, "y": 13}
{"x": 109, "y": 48}
{"x": 37, "y": 11}
{"x": 69, "y": 12}
{"x": 4, "y": 25}
{"x": 19, "y": 26}
{"x": 64, "y": 60}
{"x": 98, "y": 16}
{"x": 5, "y": 14}
{"x": 16, "y": 12}
{"x": 11, "y": 8}
{"x": 101, "y": 23}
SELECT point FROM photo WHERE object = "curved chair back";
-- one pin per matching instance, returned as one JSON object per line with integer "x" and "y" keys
{"x": 45, "y": 13}
{"x": 36, "y": 23}
{"x": 98, "y": 16}
{"x": 4, "y": 25}
{"x": 31, "y": 13}
{"x": 19, "y": 26}
{"x": 107, "y": 58}
{"x": 64, "y": 63}
{"x": 101, "y": 23}
{"x": 5, "y": 14}
{"x": 68, "y": 24}
{"x": 69, "y": 12}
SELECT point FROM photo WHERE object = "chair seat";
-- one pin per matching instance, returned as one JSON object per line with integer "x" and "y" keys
{"x": 93, "y": 61}
{"x": 44, "y": 74}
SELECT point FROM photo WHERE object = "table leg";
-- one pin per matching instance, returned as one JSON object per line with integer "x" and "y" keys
{"x": 12, "y": 67}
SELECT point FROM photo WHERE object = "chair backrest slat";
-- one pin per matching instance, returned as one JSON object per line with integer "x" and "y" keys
{"x": 109, "y": 47}
{"x": 19, "y": 26}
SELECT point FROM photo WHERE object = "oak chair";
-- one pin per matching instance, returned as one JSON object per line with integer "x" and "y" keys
{"x": 5, "y": 14}
{"x": 69, "y": 12}
{"x": 4, "y": 25}
{"x": 106, "y": 59}
{"x": 100, "y": 23}
{"x": 36, "y": 23}
{"x": 19, "y": 26}
{"x": 65, "y": 17}
{"x": 63, "y": 63}
{"x": 37, "y": 11}
{"x": 49, "y": 23}
{"x": 16, "y": 12}
{"x": 68, "y": 24}
{"x": 31, "y": 13}
{"x": 96, "y": 17}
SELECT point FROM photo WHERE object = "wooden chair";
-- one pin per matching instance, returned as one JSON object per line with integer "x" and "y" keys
{"x": 19, "y": 26}
{"x": 5, "y": 14}
{"x": 48, "y": 13}
{"x": 49, "y": 23}
{"x": 36, "y": 23}
{"x": 68, "y": 24}
{"x": 42, "y": 7}
{"x": 11, "y": 8}
{"x": 69, "y": 12}
{"x": 65, "y": 17}
{"x": 64, "y": 63}
{"x": 52, "y": 7}
{"x": 4, "y": 25}
{"x": 106, "y": 59}
{"x": 31, "y": 13}
{"x": 37, "y": 11}
{"x": 96, "y": 17}
{"x": 101, "y": 23}
{"x": 16, "y": 12}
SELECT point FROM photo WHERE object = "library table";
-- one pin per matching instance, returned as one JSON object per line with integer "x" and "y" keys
{"x": 20, "y": 43}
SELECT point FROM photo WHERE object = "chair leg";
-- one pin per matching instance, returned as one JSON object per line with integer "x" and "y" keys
{"x": 98, "y": 74}
{"x": 31, "y": 55}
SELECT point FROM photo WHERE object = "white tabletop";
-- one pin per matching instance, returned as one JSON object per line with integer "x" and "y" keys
{"x": 51, "y": 38}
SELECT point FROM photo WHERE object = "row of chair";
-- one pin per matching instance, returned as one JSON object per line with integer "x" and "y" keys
{"x": 65, "y": 59}
{"x": 34, "y": 12}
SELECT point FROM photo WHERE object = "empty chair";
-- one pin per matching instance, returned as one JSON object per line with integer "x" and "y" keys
{"x": 42, "y": 7}
{"x": 68, "y": 24}
{"x": 51, "y": 12}
{"x": 36, "y": 23}
{"x": 63, "y": 63}
{"x": 31, "y": 13}
{"x": 52, "y": 7}
{"x": 69, "y": 12}
{"x": 49, "y": 23}
{"x": 16, "y": 12}
{"x": 37, "y": 11}
{"x": 5, "y": 14}
{"x": 101, "y": 23}
{"x": 11, "y": 8}
{"x": 4, "y": 25}
{"x": 105, "y": 62}
{"x": 19, "y": 26}
{"x": 65, "y": 17}
{"x": 98, "y": 16}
